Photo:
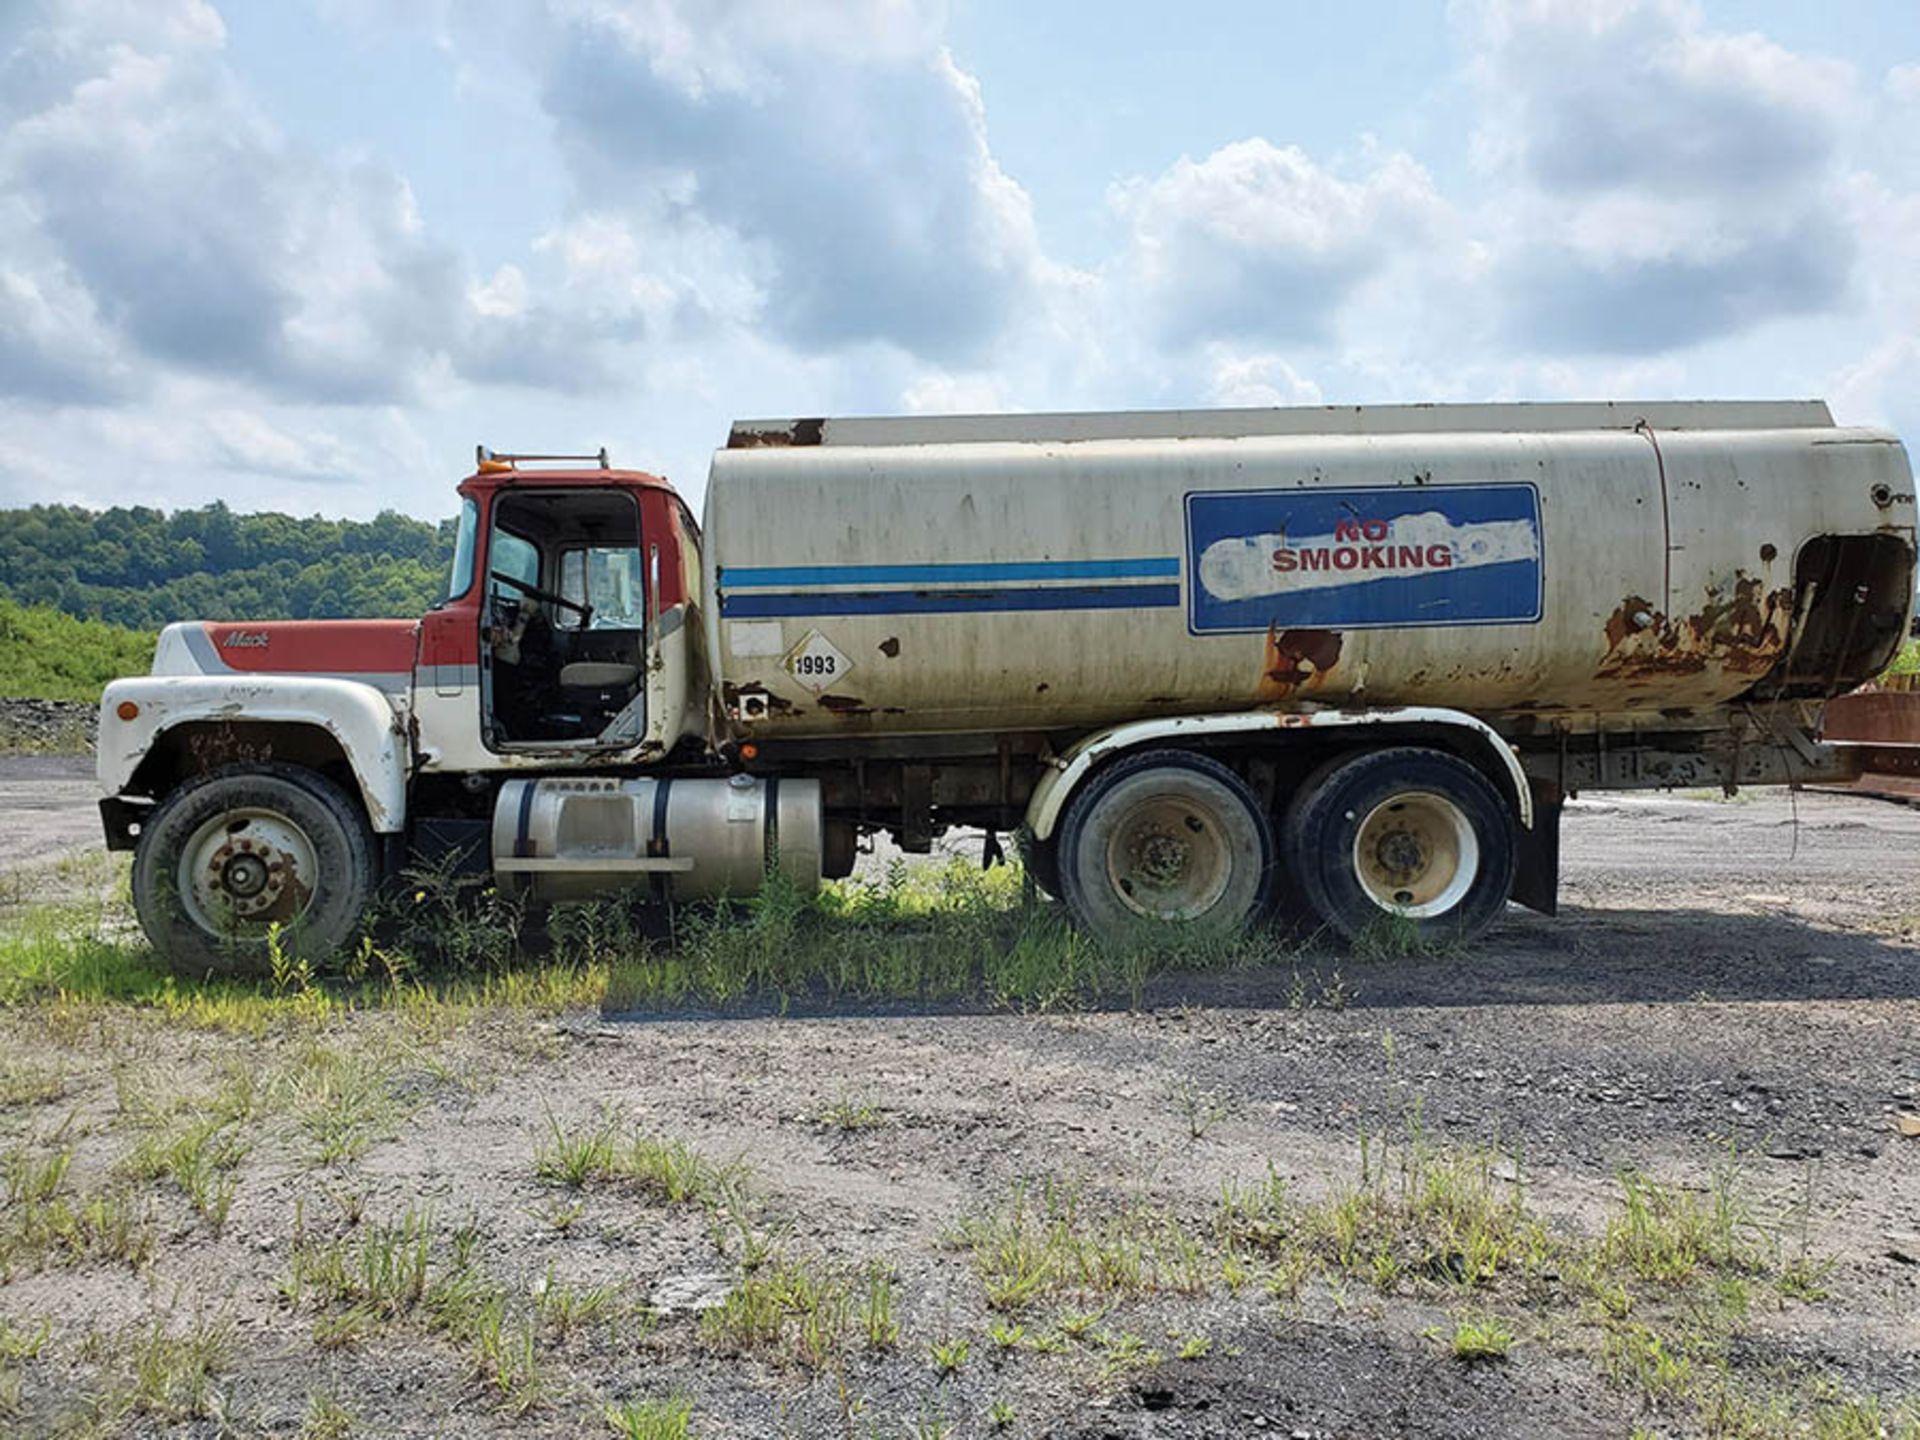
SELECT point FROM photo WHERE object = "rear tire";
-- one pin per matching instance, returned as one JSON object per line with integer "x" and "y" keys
{"x": 235, "y": 851}
{"x": 1166, "y": 837}
{"x": 1408, "y": 832}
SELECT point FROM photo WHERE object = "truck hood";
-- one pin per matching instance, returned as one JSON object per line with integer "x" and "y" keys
{"x": 375, "y": 652}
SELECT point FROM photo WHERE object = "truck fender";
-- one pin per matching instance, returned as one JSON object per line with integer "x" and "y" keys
{"x": 1058, "y": 784}
{"x": 136, "y": 713}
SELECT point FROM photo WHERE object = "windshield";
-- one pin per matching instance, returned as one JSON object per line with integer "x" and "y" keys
{"x": 461, "y": 576}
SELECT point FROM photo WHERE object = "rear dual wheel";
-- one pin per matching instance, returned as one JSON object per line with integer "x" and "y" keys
{"x": 1166, "y": 836}
{"x": 1402, "y": 835}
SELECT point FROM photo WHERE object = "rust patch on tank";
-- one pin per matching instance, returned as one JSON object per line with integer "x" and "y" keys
{"x": 848, "y": 706}
{"x": 751, "y": 436}
{"x": 1296, "y": 658}
{"x": 890, "y": 647}
{"x": 1740, "y": 629}
{"x": 730, "y": 693}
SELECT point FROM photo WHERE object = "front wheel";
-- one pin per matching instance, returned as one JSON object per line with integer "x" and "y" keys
{"x": 231, "y": 854}
{"x": 1408, "y": 832}
{"x": 1167, "y": 836}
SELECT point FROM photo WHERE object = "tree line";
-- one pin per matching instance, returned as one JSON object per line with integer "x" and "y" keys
{"x": 142, "y": 567}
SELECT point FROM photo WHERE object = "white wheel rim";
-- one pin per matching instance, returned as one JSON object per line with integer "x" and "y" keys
{"x": 247, "y": 867}
{"x": 1416, "y": 854}
{"x": 1169, "y": 858}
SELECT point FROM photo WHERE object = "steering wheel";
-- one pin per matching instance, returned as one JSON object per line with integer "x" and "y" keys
{"x": 534, "y": 592}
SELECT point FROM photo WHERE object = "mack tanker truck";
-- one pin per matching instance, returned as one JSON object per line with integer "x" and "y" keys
{"x": 1346, "y": 661}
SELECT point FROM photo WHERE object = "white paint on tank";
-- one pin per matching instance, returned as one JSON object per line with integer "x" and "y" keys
{"x": 1244, "y": 568}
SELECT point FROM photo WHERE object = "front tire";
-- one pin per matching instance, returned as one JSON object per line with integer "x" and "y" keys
{"x": 1407, "y": 832}
{"x": 1166, "y": 837}
{"x": 236, "y": 851}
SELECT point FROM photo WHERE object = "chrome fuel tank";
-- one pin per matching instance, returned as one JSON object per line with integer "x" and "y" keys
{"x": 699, "y": 839}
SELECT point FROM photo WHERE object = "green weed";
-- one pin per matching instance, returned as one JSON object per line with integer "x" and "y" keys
{"x": 666, "y": 1419}
{"x": 1047, "y": 1241}
{"x": 199, "y": 1159}
{"x": 325, "y": 1418}
{"x": 1665, "y": 1233}
{"x": 876, "y": 1309}
{"x": 788, "y": 1308}
{"x": 163, "y": 1374}
{"x": 948, "y": 1356}
{"x": 1477, "y": 1340}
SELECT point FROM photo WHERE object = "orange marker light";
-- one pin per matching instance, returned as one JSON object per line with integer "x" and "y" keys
{"x": 127, "y": 710}
{"x": 749, "y": 752}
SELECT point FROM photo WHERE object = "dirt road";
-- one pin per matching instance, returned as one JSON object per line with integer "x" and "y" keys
{"x": 1729, "y": 983}
{"x": 48, "y": 808}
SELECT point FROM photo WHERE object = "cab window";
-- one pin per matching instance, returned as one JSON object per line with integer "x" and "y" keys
{"x": 608, "y": 581}
{"x": 515, "y": 557}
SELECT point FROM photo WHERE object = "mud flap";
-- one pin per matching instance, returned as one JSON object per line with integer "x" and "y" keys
{"x": 1536, "y": 870}
{"x": 121, "y": 819}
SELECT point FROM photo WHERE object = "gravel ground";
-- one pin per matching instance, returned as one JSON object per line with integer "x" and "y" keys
{"x": 1738, "y": 976}
{"x": 49, "y": 807}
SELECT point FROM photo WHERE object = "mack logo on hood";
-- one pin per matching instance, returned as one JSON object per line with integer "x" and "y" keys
{"x": 244, "y": 639}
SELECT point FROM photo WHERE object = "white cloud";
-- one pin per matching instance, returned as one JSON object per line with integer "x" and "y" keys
{"x": 1240, "y": 379}
{"x": 1658, "y": 183}
{"x": 1258, "y": 241}
{"x": 839, "y": 148}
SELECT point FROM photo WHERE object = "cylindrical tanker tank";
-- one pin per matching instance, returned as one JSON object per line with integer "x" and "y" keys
{"x": 1063, "y": 572}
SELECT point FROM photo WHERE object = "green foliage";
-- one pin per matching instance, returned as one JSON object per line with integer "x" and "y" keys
{"x": 141, "y": 567}
{"x": 1475, "y": 1340}
{"x": 668, "y": 1419}
{"x": 931, "y": 934}
{"x": 46, "y": 655}
{"x": 1907, "y": 662}
{"x": 1046, "y": 1241}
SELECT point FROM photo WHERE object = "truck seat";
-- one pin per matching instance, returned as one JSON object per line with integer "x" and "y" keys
{"x": 598, "y": 675}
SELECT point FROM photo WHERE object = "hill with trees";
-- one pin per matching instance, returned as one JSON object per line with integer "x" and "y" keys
{"x": 51, "y": 656}
{"x": 141, "y": 567}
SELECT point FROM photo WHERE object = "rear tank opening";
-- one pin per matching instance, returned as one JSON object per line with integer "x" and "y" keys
{"x": 1852, "y": 594}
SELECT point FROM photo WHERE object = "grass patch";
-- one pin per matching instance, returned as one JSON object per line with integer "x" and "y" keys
{"x": 1047, "y": 1240}
{"x": 849, "y": 1115}
{"x": 47, "y": 1222}
{"x": 325, "y": 1418}
{"x": 1906, "y": 663}
{"x": 406, "y": 1272}
{"x": 199, "y": 1159}
{"x": 664, "y": 1169}
{"x": 1477, "y": 1341}
{"x": 1667, "y": 1234}
{"x": 159, "y": 1373}
{"x": 1418, "y": 1217}
{"x": 449, "y": 952}
{"x": 930, "y": 934}
{"x": 876, "y": 1309}
{"x": 83, "y": 956}
{"x": 670, "y": 1418}
{"x": 23, "y": 1082}
{"x": 17, "y": 1343}
{"x": 791, "y": 1308}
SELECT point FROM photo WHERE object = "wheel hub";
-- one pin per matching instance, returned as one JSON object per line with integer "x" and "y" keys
{"x": 1161, "y": 859}
{"x": 1416, "y": 854}
{"x": 245, "y": 876}
{"x": 1401, "y": 853}
{"x": 247, "y": 867}
{"x": 1168, "y": 860}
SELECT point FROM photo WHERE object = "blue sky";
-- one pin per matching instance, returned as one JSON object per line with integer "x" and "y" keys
{"x": 303, "y": 254}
